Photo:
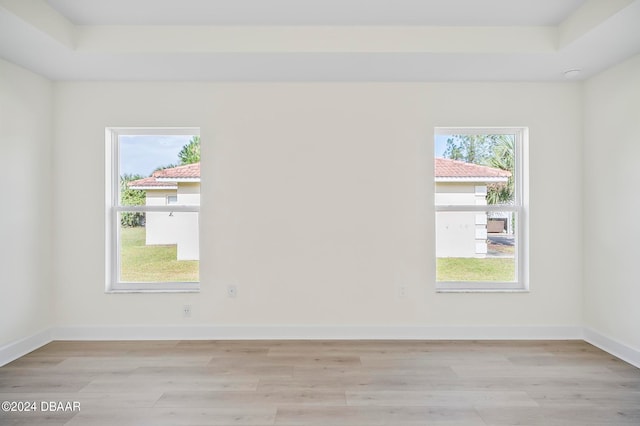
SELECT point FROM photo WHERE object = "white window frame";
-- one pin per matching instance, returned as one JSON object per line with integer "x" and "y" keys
{"x": 113, "y": 207}
{"x": 520, "y": 207}
{"x": 169, "y": 203}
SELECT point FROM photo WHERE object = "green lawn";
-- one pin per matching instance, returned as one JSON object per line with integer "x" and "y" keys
{"x": 471, "y": 269}
{"x": 142, "y": 263}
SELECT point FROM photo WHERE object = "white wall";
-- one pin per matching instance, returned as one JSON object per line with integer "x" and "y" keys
{"x": 188, "y": 237}
{"x": 179, "y": 228}
{"x": 317, "y": 201}
{"x": 612, "y": 203}
{"x": 460, "y": 234}
{"x": 160, "y": 227}
{"x": 25, "y": 206}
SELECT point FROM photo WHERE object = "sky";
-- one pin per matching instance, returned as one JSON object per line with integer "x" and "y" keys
{"x": 143, "y": 154}
{"x": 441, "y": 144}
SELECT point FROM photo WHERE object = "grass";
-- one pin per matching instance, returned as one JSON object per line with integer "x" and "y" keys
{"x": 157, "y": 263}
{"x": 472, "y": 269}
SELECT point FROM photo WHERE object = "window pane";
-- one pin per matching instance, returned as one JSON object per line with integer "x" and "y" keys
{"x": 474, "y": 169}
{"x": 162, "y": 248}
{"x": 158, "y": 171}
{"x": 158, "y": 166}
{"x": 476, "y": 246}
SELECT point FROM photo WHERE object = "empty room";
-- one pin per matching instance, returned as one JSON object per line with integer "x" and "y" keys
{"x": 320, "y": 212}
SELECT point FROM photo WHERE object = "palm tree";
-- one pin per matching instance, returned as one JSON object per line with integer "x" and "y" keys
{"x": 503, "y": 157}
{"x": 488, "y": 150}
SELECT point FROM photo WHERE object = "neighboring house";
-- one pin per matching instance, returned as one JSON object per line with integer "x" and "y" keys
{"x": 458, "y": 234}
{"x": 463, "y": 234}
{"x": 180, "y": 186}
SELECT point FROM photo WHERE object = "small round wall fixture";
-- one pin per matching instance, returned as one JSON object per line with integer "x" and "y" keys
{"x": 572, "y": 74}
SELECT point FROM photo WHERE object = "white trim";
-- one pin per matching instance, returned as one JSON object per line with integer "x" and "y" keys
{"x": 14, "y": 350}
{"x": 155, "y": 287}
{"x": 612, "y": 346}
{"x": 477, "y": 130}
{"x": 477, "y": 208}
{"x": 520, "y": 207}
{"x": 174, "y": 179}
{"x": 153, "y": 131}
{"x": 311, "y": 332}
{"x": 469, "y": 179}
{"x": 165, "y": 208}
{"x": 113, "y": 208}
{"x": 151, "y": 188}
{"x": 479, "y": 287}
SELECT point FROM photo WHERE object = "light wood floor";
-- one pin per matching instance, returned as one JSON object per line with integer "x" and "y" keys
{"x": 324, "y": 383}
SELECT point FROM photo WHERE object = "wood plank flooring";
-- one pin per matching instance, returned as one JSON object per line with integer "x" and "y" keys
{"x": 324, "y": 383}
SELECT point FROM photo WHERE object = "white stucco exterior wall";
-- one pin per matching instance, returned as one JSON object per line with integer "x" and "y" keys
{"x": 179, "y": 228}
{"x": 187, "y": 236}
{"x": 160, "y": 227}
{"x": 461, "y": 234}
{"x": 187, "y": 228}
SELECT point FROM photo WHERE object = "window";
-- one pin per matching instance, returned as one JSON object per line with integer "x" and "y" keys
{"x": 153, "y": 204}
{"x": 480, "y": 209}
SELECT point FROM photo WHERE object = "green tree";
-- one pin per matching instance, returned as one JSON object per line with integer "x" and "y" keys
{"x": 476, "y": 149}
{"x": 503, "y": 158}
{"x": 190, "y": 153}
{"x": 168, "y": 166}
{"x": 131, "y": 197}
{"x": 486, "y": 150}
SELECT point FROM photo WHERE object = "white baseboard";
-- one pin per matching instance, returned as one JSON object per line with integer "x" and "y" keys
{"x": 14, "y": 350}
{"x": 615, "y": 348}
{"x": 287, "y": 332}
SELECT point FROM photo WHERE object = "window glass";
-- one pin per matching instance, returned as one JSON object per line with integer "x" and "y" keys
{"x": 478, "y": 203}
{"x": 155, "y": 216}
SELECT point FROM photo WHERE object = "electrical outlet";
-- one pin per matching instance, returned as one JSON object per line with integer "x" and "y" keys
{"x": 402, "y": 291}
{"x": 232, "y": 291}
{"x": 186, "y": 311}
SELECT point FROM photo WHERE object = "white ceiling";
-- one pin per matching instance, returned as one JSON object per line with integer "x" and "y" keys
{"x": 316, "y": 12}
{"x": 318, "y": 40}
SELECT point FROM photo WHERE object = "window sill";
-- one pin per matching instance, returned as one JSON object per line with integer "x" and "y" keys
{"x": 190, "y": 287}
{"x": 480, "y": 287}
{"x": 484, "y": 290}
{"x": 150, "y": 291}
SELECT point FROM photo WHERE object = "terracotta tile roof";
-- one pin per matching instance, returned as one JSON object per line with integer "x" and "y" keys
{"x": 166, "y": 178}
{"x": 446, "y": 168}
{"x": 150, "y": 182}
{"x": 188, "y": 171}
